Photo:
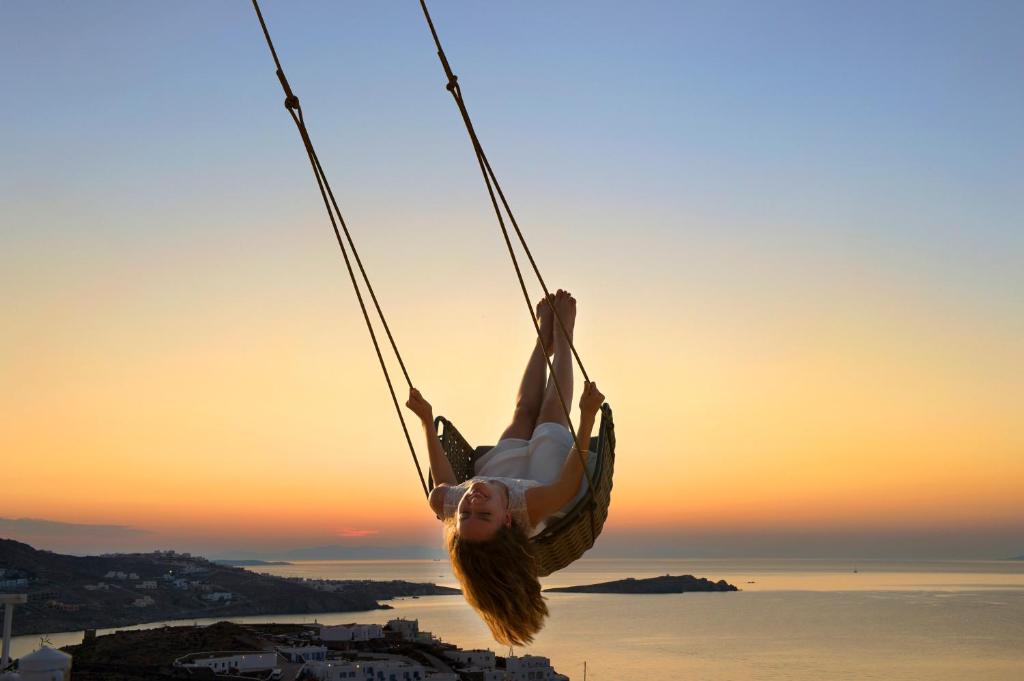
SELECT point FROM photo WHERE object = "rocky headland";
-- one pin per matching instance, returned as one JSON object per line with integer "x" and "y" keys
{"x": 67, "y": 593}
{"x": 667, "y": 584}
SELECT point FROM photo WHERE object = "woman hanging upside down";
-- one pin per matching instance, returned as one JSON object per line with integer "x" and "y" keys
{"x": 530, "y": 474}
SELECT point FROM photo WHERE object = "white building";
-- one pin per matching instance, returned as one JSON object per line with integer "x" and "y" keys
{"x": 149, "y": 584}
{"x": 482, "y": 659}
{"x": 392, "y": 670}
{"x": 303, "y": 653}
{"x": 351, "y": 632}
{"x": 19, "y": 583}
{"x": 372, "y": 670}
{"x": 407, "y": 628}
{"x": 218, "y": 597}
{"x": 485, "y": 674}
{"x": 132, "y": 575}
{"x": 101, "y": 586}
{"x": 143, "y": 602}
{"x": 114, "y": 574}
{"x": 530, "y": 668}
{"x": 335, "y": 670}
{"x": 222, "y": 661}
{"x": 426, "y": 637}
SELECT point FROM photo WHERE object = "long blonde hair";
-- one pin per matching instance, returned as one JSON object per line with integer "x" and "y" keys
{"x": 499, "y": 579}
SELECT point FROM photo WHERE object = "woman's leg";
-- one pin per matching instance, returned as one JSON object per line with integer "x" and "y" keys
{"x": 531, "y": 387}
{"x": 550, "y": 409}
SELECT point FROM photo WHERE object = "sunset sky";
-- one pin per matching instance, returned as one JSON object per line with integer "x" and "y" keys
{"x": 794, "y": 230}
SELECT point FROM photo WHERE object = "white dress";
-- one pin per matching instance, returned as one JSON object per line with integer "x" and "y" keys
{"x": 519, "y": 465}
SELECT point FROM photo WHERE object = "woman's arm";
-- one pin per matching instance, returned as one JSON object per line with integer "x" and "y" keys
{"x": 440, "y": 468}
{"x": 544, "y": 500}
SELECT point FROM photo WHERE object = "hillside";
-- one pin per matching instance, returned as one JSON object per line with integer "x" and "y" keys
{"x": 68, "y": 593}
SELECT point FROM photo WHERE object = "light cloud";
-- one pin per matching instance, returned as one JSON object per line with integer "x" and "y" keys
{"x": 353, "y": 533}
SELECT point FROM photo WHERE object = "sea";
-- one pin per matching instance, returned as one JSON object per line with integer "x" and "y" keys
{"x": 793, "y": 620}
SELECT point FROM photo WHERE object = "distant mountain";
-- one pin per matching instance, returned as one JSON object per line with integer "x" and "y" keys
{"x": 1020, "y": 557}
{"x": 340, "y": 552}
{"x": 66, "y": 593}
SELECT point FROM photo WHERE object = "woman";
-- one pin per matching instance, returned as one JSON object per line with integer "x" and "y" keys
{"x": 530, "y": 474}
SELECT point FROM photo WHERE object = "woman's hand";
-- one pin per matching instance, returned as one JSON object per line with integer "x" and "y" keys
{"x": 591, "y": 400}
{"x": 420, "y": 406}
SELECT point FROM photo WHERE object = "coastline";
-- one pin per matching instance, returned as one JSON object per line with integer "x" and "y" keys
{"x": 749, "y": 618}
{"x": 122, "y": 590}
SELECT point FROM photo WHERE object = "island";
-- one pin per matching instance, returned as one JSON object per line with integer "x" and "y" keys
{"x": 667, "y": 584}
{"x": 67, "y": 593}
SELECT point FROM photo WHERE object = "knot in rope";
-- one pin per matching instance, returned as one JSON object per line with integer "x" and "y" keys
{"x": 291, "y": 102}
{"x": 453, "y": 82}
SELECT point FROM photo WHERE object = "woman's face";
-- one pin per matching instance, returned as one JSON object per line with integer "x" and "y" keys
{"x": 482, "y": 510}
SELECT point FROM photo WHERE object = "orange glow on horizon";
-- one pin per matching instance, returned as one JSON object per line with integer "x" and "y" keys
{"x": 260, "y": 412}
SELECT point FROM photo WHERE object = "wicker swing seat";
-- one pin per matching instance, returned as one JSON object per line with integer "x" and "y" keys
{"x": 573, "y": 530}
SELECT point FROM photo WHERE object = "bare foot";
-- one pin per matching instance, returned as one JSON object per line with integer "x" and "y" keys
{"x": 565, "y": 305}
{"x": 546, "y": 315}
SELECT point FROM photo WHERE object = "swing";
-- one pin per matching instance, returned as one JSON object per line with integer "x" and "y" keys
{"x": 574, "y": 529}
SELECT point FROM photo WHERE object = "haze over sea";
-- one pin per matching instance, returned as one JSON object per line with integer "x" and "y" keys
{"x": 794, "y": 619}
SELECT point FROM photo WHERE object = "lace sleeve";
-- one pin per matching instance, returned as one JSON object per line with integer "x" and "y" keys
{"x": 452, "y": 497}
{"x": 517, "y": 504}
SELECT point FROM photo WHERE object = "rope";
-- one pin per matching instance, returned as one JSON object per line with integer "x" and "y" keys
{"x": 491, "y": 182}
{"x": 291, "y": 103}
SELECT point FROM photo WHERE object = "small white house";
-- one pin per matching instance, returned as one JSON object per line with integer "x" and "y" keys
{"x": 484, "y": 674}
{"x": 335, "y": 670}
{"x": 407, "y": 628}
{"x": 148, "y": 584}
{"x": 393, "y": 670}
{"x": 351, "y": 632}
{"x": 218, "y": 597}
{"x": 143, "y": 602}
{"x": 19, "y": 583}
{"x": 222, "y": 661}
{"x": 481, "y": 659}
{"x": 529, "y": 668}
{"x": 303, "y": 653}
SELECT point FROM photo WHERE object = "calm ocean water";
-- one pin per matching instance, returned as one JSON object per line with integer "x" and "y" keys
{"x": 795, "y": 619}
